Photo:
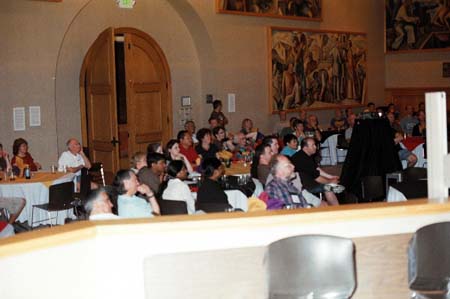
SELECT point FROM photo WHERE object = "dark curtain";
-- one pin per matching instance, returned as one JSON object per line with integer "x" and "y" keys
{"x": 371, "y": 153}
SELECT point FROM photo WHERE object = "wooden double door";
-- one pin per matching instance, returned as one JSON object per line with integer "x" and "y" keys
{"x": 125, "y": 97}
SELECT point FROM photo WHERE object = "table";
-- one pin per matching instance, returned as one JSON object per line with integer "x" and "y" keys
{"x": 236, "y": 199}
{"x": 238, "y": 168}
{"x": 36, "y": 191}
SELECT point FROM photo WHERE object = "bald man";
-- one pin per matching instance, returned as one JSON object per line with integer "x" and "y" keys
{"x": 73, "y": 159}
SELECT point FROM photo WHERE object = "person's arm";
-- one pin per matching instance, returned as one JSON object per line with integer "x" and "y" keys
{"x": 87, "y": 163}
{"x": 145, "y": 190}
{"x": 326, "y": 178}
{"x": 186, "y": 163}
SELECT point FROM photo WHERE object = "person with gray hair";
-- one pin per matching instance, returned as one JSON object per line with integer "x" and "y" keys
{"x": 74, "y": 159}
{"x": 99, "y": 206}
{"x": 281, "y": 188}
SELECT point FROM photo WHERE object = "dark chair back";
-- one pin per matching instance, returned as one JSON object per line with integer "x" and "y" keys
{"x": 429, "y": 260}
{"x": 61, "y": 196}
{"x": 97, "y": 173}
{"x": 311, "y": 266}
{"x": 172, "y": 207}
{"x": 372, "y": 188}
{"x": 213, "y": 207}
{"x": 85, "y": 184}
{"x": 412, "y": 174}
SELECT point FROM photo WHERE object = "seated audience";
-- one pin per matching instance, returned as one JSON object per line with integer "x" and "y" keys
{"x": 221, "y": 141}
{"x": 189, "y": 126}
{"x": 173, "y": 153}
{"x": 154, "y": 148}
{"x": 138, "y": 161}
{"x": 421, "y": 106}
{"x": 351, "y": 119}
{"x": 213, "y": 122}
{"x": 302, "y": 116}
{"x": 243, "y": 148}
{"x": 273, "y": 142}
{"x": 74, "y": 159}
{"x": 205, "y": 148}
{"x": 4, "y": 159}
{"x": 371, "y": 107}
{"x": 299, "y": 131}
{"x": 175, "y": 188}
{"x": 348, "y": 112}
{"x": 393, "y": 122}
{"x": 421, "y": 127}
{"x": 338, "y": 122}
{"x": 391, "y": 108}
{"x": 312, "y": 176}
{"x": 409, "y": 121}
{"x": 22, "y": 158}
{"x": 153, "y": 174}
{"x": 218, "y": 114}
{"x": 131, "y": 205}
{"x": 187, "y": 147}
{"x": 290, "y": 129}
{"x": 312, "y": 128}
{"x": 290, "y": 145}
{"x": 99, "y": 206}
{"x": 403, "y": 153}
{"x": 210, "y": 190}
{"x": 249, "y": 131}
{"x": 260, "y": 167}
{"x": 280, "y": 188}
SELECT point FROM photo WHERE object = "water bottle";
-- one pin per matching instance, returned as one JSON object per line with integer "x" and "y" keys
{"x": 27, "y": 173}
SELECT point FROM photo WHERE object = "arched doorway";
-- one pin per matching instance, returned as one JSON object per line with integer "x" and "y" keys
{"x": 125, "y": 97}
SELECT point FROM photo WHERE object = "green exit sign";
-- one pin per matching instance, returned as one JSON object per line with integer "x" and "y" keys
{"x": 126, "y": 3}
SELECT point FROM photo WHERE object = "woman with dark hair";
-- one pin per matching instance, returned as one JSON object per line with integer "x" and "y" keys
{"x": 210, "y": 190}
{"x": 421, "y": 127}
{"x": 205, "y": 148}
{"x": 221, "y": 141}
{"x": 22, "y": 157}
{"x": 290, "y": 145}
{"x": 131, "y": 205}
{"x": 174, "y": 188}
{"x": 299, "y": 130}
{"x": 173, "y": 153}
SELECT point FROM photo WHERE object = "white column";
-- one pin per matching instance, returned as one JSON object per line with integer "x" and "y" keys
{"x": 437, "y": 153}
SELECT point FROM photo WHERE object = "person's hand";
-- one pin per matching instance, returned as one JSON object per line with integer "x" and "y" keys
{"x": 335, "y": 179}
{"x": 144, "y": 189}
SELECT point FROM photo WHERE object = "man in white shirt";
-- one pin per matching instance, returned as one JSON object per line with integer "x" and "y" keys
{"x": 73, "y": 159}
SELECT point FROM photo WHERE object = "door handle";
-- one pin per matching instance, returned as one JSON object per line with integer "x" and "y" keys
{"x": 114, "y": 141}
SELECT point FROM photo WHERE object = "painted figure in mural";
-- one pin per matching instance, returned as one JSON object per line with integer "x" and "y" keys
{"x": 405, "y": 24}
{"x": 300, "y": 46}
{"x": 336, "y": 71}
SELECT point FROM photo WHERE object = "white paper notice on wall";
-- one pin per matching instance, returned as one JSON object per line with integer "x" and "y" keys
{"x": 231, "y": 102}
{"x": 35, "y": 116}
{"x": 19, "y": 118}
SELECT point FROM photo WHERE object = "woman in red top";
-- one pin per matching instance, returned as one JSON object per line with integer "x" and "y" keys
{"x": 22, "y": 157}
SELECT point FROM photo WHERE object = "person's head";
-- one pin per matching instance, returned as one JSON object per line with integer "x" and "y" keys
{"x": 154, "y": 148}
{"x": 241, "y": 140}
{"x": 219, "y": 133}
{"x": 291, "y": 141}
{"x": 20, "y": 146}
{"x": 73, "y": 145}
{"x": 292, "y": 121}
{"x": 217, "y": 105}
{"x": 204, "y": 136}
{"x": 308, "y": 145}
{"x": 177, "y": 169}
{"x": 139, "y": 160}
{"x": 298, "y": 126}
{"x": 98, "y": 202}
{"x": 421, "y": 115}
{"x": 371, "y": 107}
{"x": 185, "y": 139}
{"x": 156, "y": 162}
{"x": 212, "y": 168}
{"x": 302, "y": 115}
{"x": 337, "y": 113}
{"x": 173, "y": 148}
{"x": 126, "y": 182}
{"x": 348, "y": 111}
{"x": 247, "y": 124}
{"x": 190, "y": 127}
{"x": 263, "y": 154}
{"x": 421, "y": 106}
{"x": 391, "y": 108}
{"x": 273, "y": 142}
{"x": 391, "y": 117}
{"x": 213, "y": 122}
{"x": 351, "y": 120}
{"x": 312, "y": 120}
{"x": 281, "y": 167}
{"x": 409, "y": 109}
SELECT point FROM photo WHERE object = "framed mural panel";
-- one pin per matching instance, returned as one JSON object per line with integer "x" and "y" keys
{"x": 312, "y": 69}
{"x": 309, "y": 10}
{"x": 417, "y": 25}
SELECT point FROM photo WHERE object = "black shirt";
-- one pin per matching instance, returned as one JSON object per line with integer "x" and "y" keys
{"x": 210, "y": 153}
{"x": 307, "y": 168}
{"x": 210, "y": 191}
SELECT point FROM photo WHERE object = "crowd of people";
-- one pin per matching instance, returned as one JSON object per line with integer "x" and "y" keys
{"x": 290, "y": 174}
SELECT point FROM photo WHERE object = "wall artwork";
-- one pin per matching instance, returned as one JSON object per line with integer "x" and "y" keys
{"x": 417, "y": 25}
{"x": 290, "y": 9}
{"x": 316, "y": 69}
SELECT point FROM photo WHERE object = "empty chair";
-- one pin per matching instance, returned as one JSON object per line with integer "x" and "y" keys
{"x": 429, "y": 261}
{"x": 60, "y": 198}
{"x": 97, "y": 173}
{"x": 311, "y": 266}
{"x": 172, "y": 207}
{"x": 372, "y": 188}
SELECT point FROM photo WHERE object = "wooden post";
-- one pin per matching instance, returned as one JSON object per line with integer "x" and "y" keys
{"x": 437, "y": 154}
